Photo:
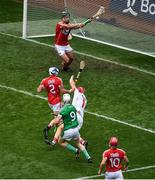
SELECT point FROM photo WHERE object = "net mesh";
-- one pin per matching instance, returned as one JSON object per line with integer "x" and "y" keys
{"x": 122, "y": 24}
{"x": 42, "y": 16}
{"x": 117, "y": 26}
{"x": 127, "y": 23}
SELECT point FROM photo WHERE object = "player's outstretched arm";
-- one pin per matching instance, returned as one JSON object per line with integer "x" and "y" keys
{"x": 63, "y": 90}
{"x": 72, "y": 26}
{"x": 72, "y": 83}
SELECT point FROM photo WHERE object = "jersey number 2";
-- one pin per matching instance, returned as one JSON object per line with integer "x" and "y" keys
{"x": 52, "y": 88}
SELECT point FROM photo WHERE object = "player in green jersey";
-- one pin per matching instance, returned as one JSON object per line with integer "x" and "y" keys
{"x": 68, "y": 117}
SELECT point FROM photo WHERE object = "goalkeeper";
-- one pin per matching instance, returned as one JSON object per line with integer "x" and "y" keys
{"x": 62, "y": 34}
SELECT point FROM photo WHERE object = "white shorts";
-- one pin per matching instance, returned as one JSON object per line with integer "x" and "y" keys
{"x": 80, "y": 120}
{"x": 61, "y": 50}
{"x": 56, "y": 107}
{"x": 71, "y": 134}
{"x": 114, "y": 175}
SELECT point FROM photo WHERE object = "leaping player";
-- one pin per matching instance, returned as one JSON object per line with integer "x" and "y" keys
{"x": 62, "y": 33}
{"x": 79, "y": 102}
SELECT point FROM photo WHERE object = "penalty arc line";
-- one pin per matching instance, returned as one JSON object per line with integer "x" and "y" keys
{"x": 88, "y": 112}
{"x": 86, "y": 55}
{"x": 130, "y": 170}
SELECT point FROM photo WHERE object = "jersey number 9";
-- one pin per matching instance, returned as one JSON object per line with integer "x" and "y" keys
{"x": 73, "y": 116}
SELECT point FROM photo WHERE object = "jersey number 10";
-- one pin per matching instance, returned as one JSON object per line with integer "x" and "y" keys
{"x": 114, "y": 162}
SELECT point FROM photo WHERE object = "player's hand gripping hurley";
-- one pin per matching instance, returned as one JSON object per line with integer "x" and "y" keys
{"x": 82, "y": 65}
{"x": 98, "y": 14}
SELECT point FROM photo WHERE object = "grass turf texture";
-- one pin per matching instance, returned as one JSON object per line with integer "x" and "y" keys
{"x": 111, "y": 90}
{"x": 10, "y": 11}
{"x": 109, "y": 53}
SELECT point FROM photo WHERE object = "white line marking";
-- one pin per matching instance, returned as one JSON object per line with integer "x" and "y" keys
{"x": 88, "y": 112}
{"x": 23, "y": 92}
{"x": 106, "y": 117}
{"x": 114, "y": 45}
{"x": 121, "y": 122}
{"x": 130, "y": 170}
{"x": 87, "y": 55}
{"x": 95, "y": 114}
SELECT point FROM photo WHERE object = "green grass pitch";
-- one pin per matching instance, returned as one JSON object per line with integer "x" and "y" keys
{"x": 112, "y": 90}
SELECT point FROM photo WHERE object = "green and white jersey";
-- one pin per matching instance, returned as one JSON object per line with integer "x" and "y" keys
{"x": 68, "y": 113}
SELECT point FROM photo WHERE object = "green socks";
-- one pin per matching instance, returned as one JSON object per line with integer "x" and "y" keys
{"x": 85, "y": 153}
{"x": 71, "y": 148}
{"x": 74, "y": 150}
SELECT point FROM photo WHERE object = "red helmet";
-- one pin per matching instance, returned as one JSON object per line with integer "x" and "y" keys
{"x": 81, "y": 89}
{"x": 113, "y": 141}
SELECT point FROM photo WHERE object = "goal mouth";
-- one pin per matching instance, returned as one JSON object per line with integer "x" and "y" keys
{"x": 113, "y": 28}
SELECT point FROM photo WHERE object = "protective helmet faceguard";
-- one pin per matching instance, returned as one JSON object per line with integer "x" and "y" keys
{"x": 66, "y": 98}
{"x": 53, "y": 71}
{"x": 65, "y": 14}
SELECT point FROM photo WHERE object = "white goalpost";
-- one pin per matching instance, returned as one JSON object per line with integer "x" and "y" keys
{"x": 24, "y": 33}
{"x": 123, "y": 25}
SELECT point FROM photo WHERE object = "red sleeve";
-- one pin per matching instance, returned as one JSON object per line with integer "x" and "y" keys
{"x": 60, "y": 83}
{"x": 105, "y": 154}
{"x": 123, "y": 153}
{"x": 43, "y": 81}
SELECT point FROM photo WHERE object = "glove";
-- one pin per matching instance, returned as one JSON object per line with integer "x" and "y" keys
{"x": 87, "y": 21}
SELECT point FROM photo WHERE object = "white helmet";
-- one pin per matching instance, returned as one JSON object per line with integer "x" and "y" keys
{"x": 66, "y": 98}
{"x": 53, "y": 71}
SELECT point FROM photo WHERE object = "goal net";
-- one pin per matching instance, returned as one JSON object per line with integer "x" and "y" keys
{"x": 127, "y": 24}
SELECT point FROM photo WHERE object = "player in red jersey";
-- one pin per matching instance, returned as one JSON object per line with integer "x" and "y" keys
{"x": 54, "y": 87}
{"x": 62, "y": 46}
{"x": 79, "y": 102}
{"x": 113, "y": 158}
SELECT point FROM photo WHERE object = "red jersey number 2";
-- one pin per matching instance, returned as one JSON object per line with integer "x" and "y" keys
{"x": 52, "y": 88}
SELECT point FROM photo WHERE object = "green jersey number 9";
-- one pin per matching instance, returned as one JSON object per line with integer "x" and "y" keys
{"x": 73, "y": 116}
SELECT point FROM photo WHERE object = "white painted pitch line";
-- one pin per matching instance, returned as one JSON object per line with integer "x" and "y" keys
{"x": 87, "y": 55}
{"x": 100, "y": 59}
{"x": 23, "y": 92}
{"x": 102, "y": 116}
{"x": 121, "y": 122}
{"x": 130, "y": 170}
{"x": 88, "y": 112}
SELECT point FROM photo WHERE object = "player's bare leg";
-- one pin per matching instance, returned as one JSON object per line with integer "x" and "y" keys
{"x": 50, "y": 125}
{"x": 65, "y": 62}
{"x": 84, "y": 142}
{"x": 65, "y": 144}
{"x": 70, "y": 56}
{"x": 55, "y": 113}
{"x": 83, "y": 150}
